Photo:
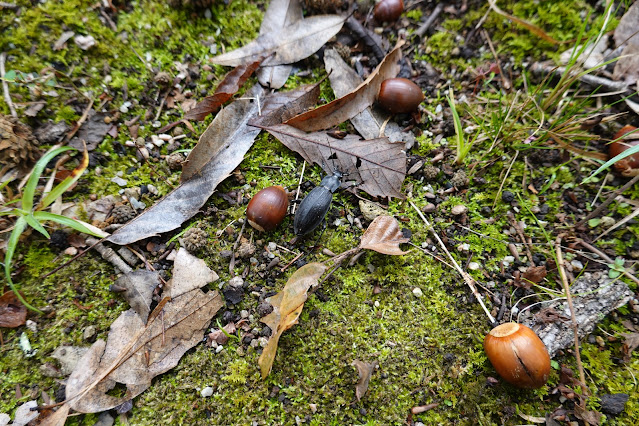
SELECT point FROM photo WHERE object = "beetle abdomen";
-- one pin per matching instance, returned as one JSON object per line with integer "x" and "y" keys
{"x": 312, "y": 210}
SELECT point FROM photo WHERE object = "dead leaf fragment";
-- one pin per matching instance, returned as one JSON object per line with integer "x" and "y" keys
{"x": 189, "y": 273}
{"x": 364, "y": 371}
{"x": 534, "y": 274}
{"x": 57, "y": 418}
{"x": 384, "y": 236}
{"x": 283, "y": 105}
{"x": 630, "y": 343}
{"x": 351, "y": 104}
{"x": 139, "y": 286}
{"x": 378, "y": 166}
{"x": 280, "y": 13}
{"x": 12, "y": 312}
{"x": 134, "y": 353}
{"x": 225, "y": 91}
{"x": 286, "y": 45}
{"x": 287, "y": 307}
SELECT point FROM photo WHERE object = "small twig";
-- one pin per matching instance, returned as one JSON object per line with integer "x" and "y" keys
{"x": 609, "y": 200}
{"x": 429, "y": 21}
{"x": 605, "y": 257}
{"x": 237, "y": 241}
{"x": 575, "y": 326}
{"x": 299, "y": 187}
{"x": 77, "y": 256}
{"x": 603, "y": 183}
{"x": 467, "y": 278}
{"x": 5, "y": 86}
{"x": 291, "y": 262}
{"x": 619, "y": 87}
{"x": 80, "y": 122}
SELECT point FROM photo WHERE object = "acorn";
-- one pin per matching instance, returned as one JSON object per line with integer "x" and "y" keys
{"x": 388, "y": 10}
{"x": 628, "y": 166}
{"x": 518, "y": 355}
{"x": 267, "y": 208}
{"x": 400, "y": 95}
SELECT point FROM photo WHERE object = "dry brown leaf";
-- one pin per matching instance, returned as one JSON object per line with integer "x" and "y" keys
{"x": 286, "y": 45}
{"x": 57, "y": 418}
{"x": 590, "y": 417}
{"x": 534, "y": 274}
{"x": 378, "y": 166}
{"x": 280, "y": 13}
{"x": 139, "y": 286}
{"x": 384, "y": 236}
{"x": 135, "y": 353}
{"x": 287, "y": 307}
{"x": 225, "y": 91}
{"x": 283, "y": 105}
{"x": 630, "y": 343}
{"x": 348, "y": 106}
{"x": 364, "y": 371}
{"x": 12, "y": 312}
{"x": 189, "y": 273}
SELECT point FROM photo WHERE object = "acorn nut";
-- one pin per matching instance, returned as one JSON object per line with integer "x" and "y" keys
{"x": 388, "y": 10}
{"x": 400, "y": 95}
{"x": 518, "y": 355}
{"x": 267, "y": 208}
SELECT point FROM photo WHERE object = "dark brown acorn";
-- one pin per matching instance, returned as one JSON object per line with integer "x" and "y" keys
{"x": 388, "y": 10}
{"x": 518, "y": 355}
{"x": 400, "y": 95}
{"x": 628, "y": 166}
{"x": 267, "y": 208}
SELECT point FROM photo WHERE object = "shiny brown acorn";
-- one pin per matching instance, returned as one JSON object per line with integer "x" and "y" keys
{"x": 628, "y": 166}
{"x": 400, "y": 95}
{"x": 267, "y": 208}
{"x": 388, "y": 10}
{"x": 518, "y": 355}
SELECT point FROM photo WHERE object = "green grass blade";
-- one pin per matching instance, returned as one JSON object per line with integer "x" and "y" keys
{"x": 12, "y": 244}
{"x": 71, "y": 223}
{"x": 66, "y": 183}
{"x": 32, "y": 183}
{"x": 459, "y": 132}
{"x": 36, "y": 225}
{"x": 612, "y": 161}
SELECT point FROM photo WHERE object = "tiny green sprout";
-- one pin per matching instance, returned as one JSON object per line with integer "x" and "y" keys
{"x": 616, "y": 268}
{"x": 28, "y": 213}
{"x": 593, "y": 223}
{"x": 554, "y": 364}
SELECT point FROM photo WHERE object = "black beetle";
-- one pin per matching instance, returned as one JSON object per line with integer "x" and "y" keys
{"x": 315, "y": 205}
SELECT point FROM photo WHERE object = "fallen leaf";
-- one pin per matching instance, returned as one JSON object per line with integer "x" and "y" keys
{"x": 533, "y": 419}
{"x": 284, "y": 105}
{"x": 225, "y": 91}
{"x": 630, "y": 343}
{"x": 364, "y": 371}
{"x": 134, "y": 353}
{"x": 590, "y": 417}
{"x": 230, "y": 137}
{"x": 189, "y": 273}
{"x": 24, "y": 413}
{"x": 139, "y": 286}
{"x": 62, "y": 40}
{"x": 57, "y": 418}
{"x": 280, "y": 13}
{"x": 626, "y": 31}
{"x": 351, "y": 104}
{"x": 12, "y": 312}
{"x": 378, "y": 166}
{"x": 384, "y": 236}
{"x": 92, "y": 132}
{"x": 221, "y": 336}
{"x": 286, "y": 45}
{"x": 287, "y": 307}
{"x": 368, "y": 123}
{"x": 533, "y": 275}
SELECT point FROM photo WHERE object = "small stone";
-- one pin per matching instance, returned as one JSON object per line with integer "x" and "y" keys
{"x": 219, "y": 349}
{"x": 32, "y": 325}
{"x": 459, "y": 209}
{"x": 272, "y": 246}
{"x": 70, "y": 251}
{"x": 152, "y": 189}
{"x": 473, "y": 266}
{"x": 509, "y": 259}
{"x": 313, "y": 408}
{"x": 577, "y": 265}
{"x": 89, "y": 333}
{"x": 244, "y": 313}
{"x": 163, "y": 78}
{"x": 84, "y": 42}
{"x": 607, "y": 221}
{"x": 507, "y": 197}
{"x": 206, "y": 392}
{"x": 264, "y": 309}
{"x": 236, "y": 282}
{"x": 418, "y": 292}
{"x": 226, "y": 254}
{"x": 429, "y": 208}
{"x": 370, "y": 210}
{"x": 119, "y": 181}
{"x": 614, "y": 404}
{"x": 263, "y": 341}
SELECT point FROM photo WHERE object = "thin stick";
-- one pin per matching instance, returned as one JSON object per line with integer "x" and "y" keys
{"x": 603, "y": 183}
{"x": 501, "y": 186}
{"x": 504, "y": 81}
{"x": 609, "y": 200}
{"x": 429, "y": 21}
{"x": 299, "y": 186}
{"x": 467, "y": 278}
{"x": 575, "y": 327}
{"x": 5, "y": 86}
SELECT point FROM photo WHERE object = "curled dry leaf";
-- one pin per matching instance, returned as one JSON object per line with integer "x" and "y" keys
{"x": 384, "y": 236}
{"x": 533, "y": 275}
{"x": 364, "y": 372}
{"x": 225, "y": 91}
{"x": 12, "y": 312}
{"x": 139, "y": 286}
{"x": 378, "y": 166}
{"x": 134, "y": 353}
{"x": 280, "y": 14}
{"x": 286, "y": 45}
{"x": 287, "y": 307}
{"x": 351, "y": 104}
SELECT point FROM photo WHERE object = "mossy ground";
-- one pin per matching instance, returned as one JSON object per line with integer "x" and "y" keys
{"x": 428, "y": 349}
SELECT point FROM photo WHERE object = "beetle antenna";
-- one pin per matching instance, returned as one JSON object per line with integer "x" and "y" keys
{"x": 332, "y": 155}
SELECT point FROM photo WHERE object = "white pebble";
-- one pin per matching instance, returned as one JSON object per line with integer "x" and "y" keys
{"x": 206, "y": 392}
{"x": 219, "y": 349}
{"x": 418, "y": 292}
{"x": 473, "y": 266}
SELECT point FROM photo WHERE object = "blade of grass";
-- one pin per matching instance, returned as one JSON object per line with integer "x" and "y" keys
{"x": 71, "y": 223}
{"x": 32, "y": 183}
{"x": 66, "y": 183}
{"x": 12, "y": 244}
